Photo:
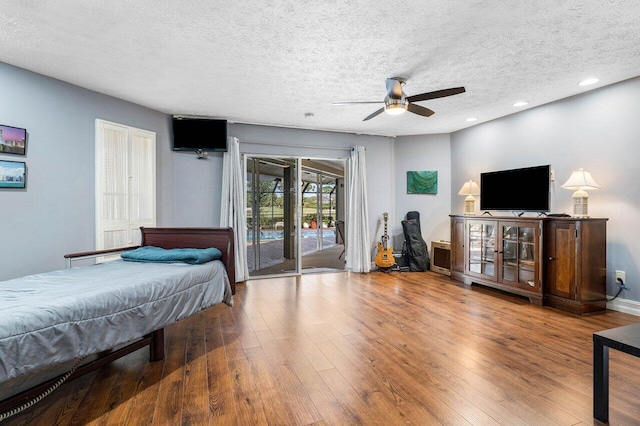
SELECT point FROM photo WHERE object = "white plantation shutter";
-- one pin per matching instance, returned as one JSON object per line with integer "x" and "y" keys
{"x": 142, "y": 182}
{"x": 125, "y": 184}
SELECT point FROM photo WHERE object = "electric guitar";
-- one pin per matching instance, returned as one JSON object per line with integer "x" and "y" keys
{"x": 384, "y": 258}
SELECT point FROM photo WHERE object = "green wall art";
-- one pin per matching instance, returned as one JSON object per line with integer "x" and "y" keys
{"x": 423, "y": 182}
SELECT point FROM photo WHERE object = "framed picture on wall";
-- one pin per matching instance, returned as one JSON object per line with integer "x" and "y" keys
{"x": 422, "y": 182}
{"x": 13, "y": 174}
{"x": 13, "y": 140}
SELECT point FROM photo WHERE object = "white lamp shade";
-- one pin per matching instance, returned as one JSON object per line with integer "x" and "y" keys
{"x": 469, "y": 188}
{"x": 580, "y": 180}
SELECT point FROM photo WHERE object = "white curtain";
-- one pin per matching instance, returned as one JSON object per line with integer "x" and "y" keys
{"x": 232, "y": 211}
{"x": 358, "y": 243}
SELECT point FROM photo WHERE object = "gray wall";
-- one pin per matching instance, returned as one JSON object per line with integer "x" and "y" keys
{"x": 415, "y": 153}
{"x": 55, "y": 214}
{"x": 597, "y": 131}
{"x": 196, "y": 189}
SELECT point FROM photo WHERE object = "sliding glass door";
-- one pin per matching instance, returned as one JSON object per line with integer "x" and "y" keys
{"x": 293, "y": 206}
{"x": 322, "y": 248}
{"x": 272, "y": 217}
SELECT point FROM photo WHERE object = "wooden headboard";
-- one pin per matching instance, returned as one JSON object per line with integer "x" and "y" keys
{"x": 221, "y": 238}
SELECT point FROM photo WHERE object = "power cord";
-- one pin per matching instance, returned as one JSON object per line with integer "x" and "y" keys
{"x": 56, "y": 385}
{"x": 622, "y": 287}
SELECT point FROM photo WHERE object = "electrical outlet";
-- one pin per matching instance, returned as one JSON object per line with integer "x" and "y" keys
{"x": 552, "y": 176}
{"x": 621, "y": 275}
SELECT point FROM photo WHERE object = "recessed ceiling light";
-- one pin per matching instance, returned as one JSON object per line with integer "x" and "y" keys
{"x": 472, "y": 119}
{"x": 588, "y": 82}
{"x": 520, "y": 103}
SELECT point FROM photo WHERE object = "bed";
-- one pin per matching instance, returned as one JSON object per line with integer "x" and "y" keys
{"x": 102, "y": 312}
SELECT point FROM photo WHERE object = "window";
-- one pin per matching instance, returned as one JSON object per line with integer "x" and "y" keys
{"x": 125, "y": 184}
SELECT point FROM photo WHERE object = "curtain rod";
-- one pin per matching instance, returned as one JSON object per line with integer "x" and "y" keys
{"x": 335, "y": 148}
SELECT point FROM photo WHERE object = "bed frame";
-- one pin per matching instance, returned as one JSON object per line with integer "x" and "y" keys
{"x": 168, "y": 238}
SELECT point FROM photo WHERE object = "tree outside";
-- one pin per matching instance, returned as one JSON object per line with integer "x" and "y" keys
{"x": 271, "y": 202}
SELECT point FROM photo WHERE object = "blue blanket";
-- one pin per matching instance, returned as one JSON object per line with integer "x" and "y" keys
{"x": 159, "y": 255}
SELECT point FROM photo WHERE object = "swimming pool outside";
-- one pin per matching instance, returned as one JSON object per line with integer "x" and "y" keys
{"x": 272, "y": 251}
{"x": 279, "y": 234}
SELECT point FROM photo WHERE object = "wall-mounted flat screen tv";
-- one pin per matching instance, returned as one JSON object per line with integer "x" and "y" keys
{"x": 199, "y": 134}
{"x": 524, "y": 189}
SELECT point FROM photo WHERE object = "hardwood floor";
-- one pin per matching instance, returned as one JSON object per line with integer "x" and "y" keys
{"x": 345, "y": 348}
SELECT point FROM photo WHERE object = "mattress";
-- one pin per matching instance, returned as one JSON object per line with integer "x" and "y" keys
{"x": 57, "y": 317}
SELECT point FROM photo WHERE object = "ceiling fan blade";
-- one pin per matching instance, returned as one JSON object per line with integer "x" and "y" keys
{"x": 420, "y": 110}
{"x": 378, "y": 112}
{"x": 394, "y": 88}
{"x": 356, "y": 102}
{"x": 437, "y": 94}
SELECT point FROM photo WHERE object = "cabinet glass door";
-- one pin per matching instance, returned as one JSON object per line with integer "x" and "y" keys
{"x": 482, "y": 249}
{"x": 518, "y": 254}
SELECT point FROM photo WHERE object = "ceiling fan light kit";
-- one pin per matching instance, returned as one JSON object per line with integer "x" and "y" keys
{"x": 397, "y": 102}
{"x": 395, "y": 106}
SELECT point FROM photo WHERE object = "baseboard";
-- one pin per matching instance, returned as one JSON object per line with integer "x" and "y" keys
{"x": 625, "y": 305}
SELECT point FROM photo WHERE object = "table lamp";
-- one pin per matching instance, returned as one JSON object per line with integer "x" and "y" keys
{"x": 469, "y": 189}
{"x": 579, "y": 181}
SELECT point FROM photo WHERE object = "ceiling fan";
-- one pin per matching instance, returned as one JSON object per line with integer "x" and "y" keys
{"x": 396, "y": 102}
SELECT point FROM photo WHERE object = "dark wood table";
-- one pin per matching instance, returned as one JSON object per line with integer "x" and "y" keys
{"x": 625, "y": 339}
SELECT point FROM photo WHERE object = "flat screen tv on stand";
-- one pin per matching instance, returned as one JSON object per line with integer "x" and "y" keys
{"x": 201, "y": 135}
{"x": 521, "y": 190}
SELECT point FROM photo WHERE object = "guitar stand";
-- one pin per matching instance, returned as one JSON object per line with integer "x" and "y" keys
{"x": 397, "y": 268}
{"x": 387, "y": 269}
{"x": 394, "y": 268}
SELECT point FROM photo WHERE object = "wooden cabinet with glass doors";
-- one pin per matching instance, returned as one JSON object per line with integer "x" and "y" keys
{"x": 560, "y": 262}
{"x": 481, "y": 256}
{"x": 520, "y": 252}
{"x": 502, "y": 253}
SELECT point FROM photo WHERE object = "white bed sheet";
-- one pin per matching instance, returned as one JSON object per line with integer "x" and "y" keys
{"x": 56, "y": 317}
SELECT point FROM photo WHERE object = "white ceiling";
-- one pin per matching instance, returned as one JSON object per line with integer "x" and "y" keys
{"x": 270, "y": 62}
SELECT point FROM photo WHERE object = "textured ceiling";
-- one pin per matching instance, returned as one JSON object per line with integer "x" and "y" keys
{"x": 270, "y": 62}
